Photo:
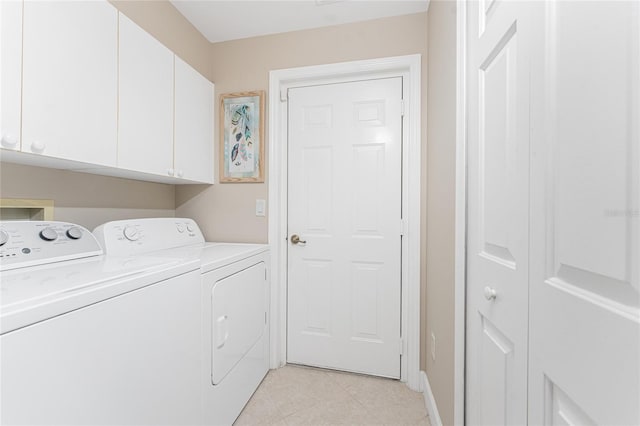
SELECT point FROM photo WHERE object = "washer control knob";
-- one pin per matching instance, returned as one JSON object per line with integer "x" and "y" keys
{"x": 180, "y": 227}
{"x": 131, "y": 233}
{"x": 74, "y": 233}
{"x": 4, "y": 237}
{"x": 190, "y": 227}
{"x": 49, "y": 234}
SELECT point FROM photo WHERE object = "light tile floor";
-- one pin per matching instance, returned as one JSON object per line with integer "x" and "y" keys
{"x": 294, "y": 396}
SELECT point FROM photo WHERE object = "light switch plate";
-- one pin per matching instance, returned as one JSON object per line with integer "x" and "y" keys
{"x": 261, "y": 207}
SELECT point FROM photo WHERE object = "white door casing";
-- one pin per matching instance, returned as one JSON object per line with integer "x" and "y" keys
{"x": 499, "y": 36}
{"x": 409, "y": 68}
{"x": 344, "y": 201}
{"x": 584, "y": 365}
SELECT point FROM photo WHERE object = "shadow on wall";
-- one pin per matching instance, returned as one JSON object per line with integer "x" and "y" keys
{"x": 87, "y": 199}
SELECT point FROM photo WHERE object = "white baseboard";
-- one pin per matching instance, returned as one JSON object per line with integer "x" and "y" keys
{"x": 430, "y": 401}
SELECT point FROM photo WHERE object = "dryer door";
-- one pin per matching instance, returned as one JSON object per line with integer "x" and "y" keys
{"x": 238, "y": 317}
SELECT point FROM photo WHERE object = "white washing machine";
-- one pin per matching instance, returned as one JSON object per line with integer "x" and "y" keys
{"x": 87, "y": 339}
{"x": 235, "y": 305}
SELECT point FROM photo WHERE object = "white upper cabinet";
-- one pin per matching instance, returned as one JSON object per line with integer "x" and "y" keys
{"x": 145, "y": 121}
{"x": 10, "y": 73}
{"x": 70, "y": 81}
{"x": 193, "y": 124}
{"x": 83, "y": 87}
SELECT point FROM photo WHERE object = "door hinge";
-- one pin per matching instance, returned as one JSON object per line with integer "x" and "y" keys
{"x": 401, "y": 346}
{"x": 401, "y": 107}
{"x": 284, "y": 95}
{"x": 403, "y": 227}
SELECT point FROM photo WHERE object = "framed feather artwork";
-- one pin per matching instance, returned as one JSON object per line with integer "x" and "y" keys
{"x": 242, "y": 137}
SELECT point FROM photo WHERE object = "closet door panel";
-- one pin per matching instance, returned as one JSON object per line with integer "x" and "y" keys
{"x": 585, "y": 233}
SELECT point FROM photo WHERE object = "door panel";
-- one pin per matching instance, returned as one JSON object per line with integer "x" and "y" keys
{"x": 497, "y": 374}
{"x": 11, "y": 74}
{"x": 70, "y": 81}
{"x": 238, "y": 318}
{"x": 344, "y": 201}
{"x": 193, "y": 141}
{"x": 585, "y": 299}
{"x": 315, "y": 275}
{"x": 498, "y": 252}
{"x": 145, "y": 99}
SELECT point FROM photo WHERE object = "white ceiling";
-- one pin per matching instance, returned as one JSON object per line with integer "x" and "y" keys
{"x": 221, "y": 20}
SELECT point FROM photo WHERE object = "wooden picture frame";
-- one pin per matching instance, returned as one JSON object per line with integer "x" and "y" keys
{"x": 242, "y": 136}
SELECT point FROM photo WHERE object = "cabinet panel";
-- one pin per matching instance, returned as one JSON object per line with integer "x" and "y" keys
{"x": 10, "y": 73}
{"x": 70, "y": 81}
{"x": 145, "y": 119}
{"x": 193, "y": 124}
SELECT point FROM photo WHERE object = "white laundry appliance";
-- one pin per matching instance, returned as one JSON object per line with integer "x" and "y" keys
{"x": 87, "y": 339}
{"x": 235, "y": 305}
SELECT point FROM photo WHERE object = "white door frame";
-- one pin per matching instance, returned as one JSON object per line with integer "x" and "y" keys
{"x": 408, "y": 67}
{"x": 461, "y": 216}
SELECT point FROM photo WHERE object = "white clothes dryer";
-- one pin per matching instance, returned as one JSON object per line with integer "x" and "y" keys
{"x": 87, "y": 339}
{"x": 234, "y": 302}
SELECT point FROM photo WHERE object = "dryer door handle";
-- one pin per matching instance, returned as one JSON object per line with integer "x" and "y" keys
{"x": 222, "y": 329}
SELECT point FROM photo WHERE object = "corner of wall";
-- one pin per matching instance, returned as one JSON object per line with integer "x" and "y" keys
{"x": 430, "y": 401}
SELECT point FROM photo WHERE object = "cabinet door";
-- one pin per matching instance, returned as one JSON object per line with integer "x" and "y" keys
{"x": 70, "y": 81}
{"x": 194, "y": 124}
{"x": 145, "y": 120}
{"x": 11, "y": 73}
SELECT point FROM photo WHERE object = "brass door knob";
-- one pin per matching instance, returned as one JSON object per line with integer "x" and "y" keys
{"x": 295, "y": 239}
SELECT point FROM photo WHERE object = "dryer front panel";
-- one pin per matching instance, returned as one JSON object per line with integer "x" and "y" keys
{"x": 238, "y": 317}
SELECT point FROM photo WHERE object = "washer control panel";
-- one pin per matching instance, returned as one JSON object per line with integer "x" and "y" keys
{"x": 135, "y": 236}
{"x": 30, "y": 243}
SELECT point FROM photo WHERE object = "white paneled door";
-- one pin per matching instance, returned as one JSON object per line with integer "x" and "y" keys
{"x": 497, "y": 248}
{"x": 585, "y": 233}
{"x": 553, "y": 278}
{"x": 344, "y": 213}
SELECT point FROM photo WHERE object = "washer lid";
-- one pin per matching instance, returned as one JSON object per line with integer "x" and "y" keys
{"x": 214, "y": 255}
{"x": 29, "y": 295}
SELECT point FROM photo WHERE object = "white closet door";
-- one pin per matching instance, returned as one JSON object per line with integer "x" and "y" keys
{"x": 70, "y": 83}
{"x": 585, "y": 233}
{"x": 194, "y": 125}
{"x": 500, "y": 36}
{"x": 10, "y": 73}
{"x": 145, "y": 120}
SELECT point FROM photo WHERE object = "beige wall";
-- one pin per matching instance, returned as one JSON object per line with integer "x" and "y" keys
{"x": 226, "y": 212}
{"x": 163, "y": 21}
{"x": 86, "y": 199}
{"x": 441, "y": 203}
{"x": 90, "y": 199}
